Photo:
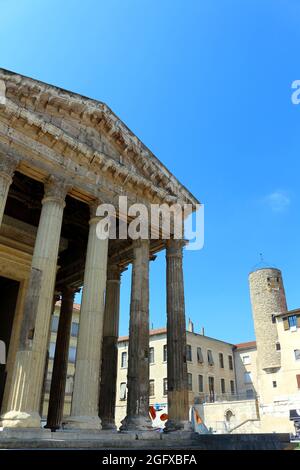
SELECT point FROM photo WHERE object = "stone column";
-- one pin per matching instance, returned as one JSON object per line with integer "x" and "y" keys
{"x": 25, "y": 393}
{"x": 109, "y": 367}
{"x": 178, "y": 406}
{"x": 85, "y": 401}
{"x": 61, "y": 359}
{"x": 138, "y": 352}
{"x": 7, "y": 168}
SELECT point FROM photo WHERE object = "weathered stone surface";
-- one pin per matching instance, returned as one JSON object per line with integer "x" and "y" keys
{"x": 109, "y": 367}
{"x": 85, "y": 402}
{"x": 178, "y": 405}
{"x": 25, "y": 395}
{"x": 137, "y": 417}
{"x": 61, "y": 357}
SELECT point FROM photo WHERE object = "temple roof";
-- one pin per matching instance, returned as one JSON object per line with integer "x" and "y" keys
{"x": 68, "y": 126}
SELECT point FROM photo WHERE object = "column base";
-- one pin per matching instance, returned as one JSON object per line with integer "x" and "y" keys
{"x": 108, "y": 425}
{"x": 174, "y": 425}
{"x": 87, "y": 423}
{"x": 21, "y": 419}
{"x": 136, "y": 423}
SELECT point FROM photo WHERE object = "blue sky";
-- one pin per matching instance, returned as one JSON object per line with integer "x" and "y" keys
{"x": 207, "y": 86}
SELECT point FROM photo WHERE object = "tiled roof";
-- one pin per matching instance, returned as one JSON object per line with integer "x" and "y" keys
{"x": 75, "y": 306}
{"x": 248, "y": 345}
{"x": 158, "y": 331}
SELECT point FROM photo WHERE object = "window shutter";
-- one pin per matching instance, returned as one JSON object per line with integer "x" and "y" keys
{"x": 298, "y": 321}
{"x": 298, "y": 380}
{"x": 286, "y": 323}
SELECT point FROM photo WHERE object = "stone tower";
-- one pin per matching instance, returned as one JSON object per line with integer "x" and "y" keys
{"x": 267, "y": 299}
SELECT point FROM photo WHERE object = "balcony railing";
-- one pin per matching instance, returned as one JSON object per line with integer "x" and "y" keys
{"x": 217, "y": 397}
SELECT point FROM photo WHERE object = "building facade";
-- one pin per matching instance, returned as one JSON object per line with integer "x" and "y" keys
{"x": 210, "y": 364}
{"x": 226, "y": 383}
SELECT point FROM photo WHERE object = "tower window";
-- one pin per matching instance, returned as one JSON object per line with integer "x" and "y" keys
{"x": 230, "y": 362}
{"x": 273, "y": 283}
{"x": 273, "y": 319}
{"x": 274, "y": 384}
{"x": 278, "y": 347}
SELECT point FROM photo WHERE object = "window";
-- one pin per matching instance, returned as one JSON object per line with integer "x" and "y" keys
{"x": 124, "y": 359}
{"x": 151, "y": 355}
{"x": 199, "y": 356}
{"x": 278, "y": 347}
{"x": 74, "y": 329}
{"x": 151, "y": 388}
{"x": 210, "y": 357}
{"x": 165, "y": 386}
{"x": 292, "y": 321}
{"x": 165, "y": 353}
{"x": 246, "y": 360}
{"x": 72, "y": 354}
{"x": 273, "y": 283}
{"x": 273, "y": 318}
{"x": 230, "y": 361}
{"x": 51, "y": 350}
{"x": 297, "y": 354}
{"x": 189, "y": 352}
{"x": 200, "y": 383}
{"x": 54, "y": 325}
{"x": 190, "y": 382}
{"x": 274, "y": 383}
{"x": 247, "y": 378}
{"x": 223, "y": 388}
{"x": 232, "y": 387}
{"x": 221, "y": 360}
{"x": 123, "y": 391}
{"x": 211, "y": 388}
{"x": 249, "y": 393}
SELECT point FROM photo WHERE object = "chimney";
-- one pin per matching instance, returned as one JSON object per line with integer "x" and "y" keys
{"x": 202, "y": 331}
{"x": 191, "y": 326}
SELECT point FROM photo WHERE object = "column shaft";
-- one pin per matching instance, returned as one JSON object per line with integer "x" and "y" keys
{"x": 178, "y": 406}
{"x": 60, "y": 364}
{"x": 25, "y": 394}
{"x": 138, "y": 352}
{"x": 109, "y": 367}
{"x": 85, "y": 402}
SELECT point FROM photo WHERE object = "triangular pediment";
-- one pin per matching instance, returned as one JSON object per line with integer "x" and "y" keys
{"x": 67, "y": 122}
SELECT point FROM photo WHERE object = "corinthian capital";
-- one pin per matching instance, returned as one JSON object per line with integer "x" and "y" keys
{"x": 8, "y": 165}
{"x": 174, "y": 247}
{"x": 56, "y": 189}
